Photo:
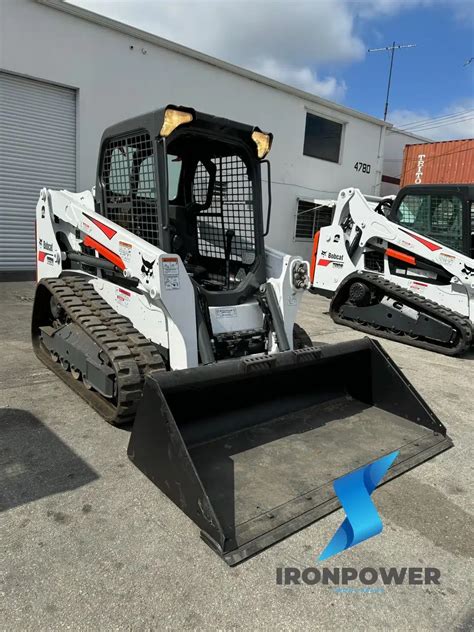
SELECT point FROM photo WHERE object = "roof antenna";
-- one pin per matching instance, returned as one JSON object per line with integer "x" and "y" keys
{"x": 391, "y": 48}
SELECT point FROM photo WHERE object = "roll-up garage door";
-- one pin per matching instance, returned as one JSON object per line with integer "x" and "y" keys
{"x": 37, "y": 149}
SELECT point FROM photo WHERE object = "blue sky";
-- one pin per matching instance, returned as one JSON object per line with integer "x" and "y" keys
{"x": 321, "y": 46}
{"x": 430, "y": 78}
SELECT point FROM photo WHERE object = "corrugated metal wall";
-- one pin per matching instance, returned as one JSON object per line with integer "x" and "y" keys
{"x": 37, "y": 149}
{"x": 449, "y": 162}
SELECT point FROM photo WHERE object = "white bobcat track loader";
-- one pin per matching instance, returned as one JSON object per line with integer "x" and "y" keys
{"x": 402, "y": 269}
{"x": 159, "y": 304}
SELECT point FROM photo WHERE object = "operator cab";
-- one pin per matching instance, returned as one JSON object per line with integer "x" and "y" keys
{"x": 190, "y": 184}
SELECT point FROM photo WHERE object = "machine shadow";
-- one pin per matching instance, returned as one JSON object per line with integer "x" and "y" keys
{"x": 34, "y": 462}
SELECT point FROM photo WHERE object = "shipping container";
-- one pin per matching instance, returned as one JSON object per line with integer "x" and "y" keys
{"x": 448, "y": 162}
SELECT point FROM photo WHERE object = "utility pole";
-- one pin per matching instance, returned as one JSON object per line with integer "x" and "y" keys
{"x": 391, "y": 48}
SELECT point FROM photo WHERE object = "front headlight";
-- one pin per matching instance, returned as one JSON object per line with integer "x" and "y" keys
{"x": 173, "y": 119}
{"x": 263, "y": 142}
{"x": 300, "y": 275}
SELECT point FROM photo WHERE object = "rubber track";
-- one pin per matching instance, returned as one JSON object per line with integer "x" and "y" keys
{"x": 129, "y": 353}
{"x": 460, "y": 323}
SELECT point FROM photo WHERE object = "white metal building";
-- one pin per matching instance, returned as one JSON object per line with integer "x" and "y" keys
{"x": 67, "y": 73}
{"x": 395, "y": 141}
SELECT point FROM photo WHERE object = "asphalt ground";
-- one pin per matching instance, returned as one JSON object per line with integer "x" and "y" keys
{"x": 88, "y": 543}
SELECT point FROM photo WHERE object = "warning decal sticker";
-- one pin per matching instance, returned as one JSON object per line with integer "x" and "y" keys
{"x": 125, "y": 251}
{"x": 170, "y": 268}
{"x": 122, "y": 296}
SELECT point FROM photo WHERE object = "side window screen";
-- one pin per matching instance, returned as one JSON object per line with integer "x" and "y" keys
{"x": 119, "y": 175}
{"x": 201, "y": 184}
{"x": 130, "y": 186}
{"x": 414, "y": 210}
{"x": 174, "y": 173}
{"x": 322, "y": 138}
{"x": 146, "y": 179}
{"x": 436, "y": 216}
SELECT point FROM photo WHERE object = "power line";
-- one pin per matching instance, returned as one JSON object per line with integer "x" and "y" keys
{"x": 301, "y": 186}
{"x": 439, "y": 122}
{"x": 437, "y": 126}
{"x": 437, "y": 118}
{"x": 434, "y": 118}
{"x": 391, "y": 48}
{"x": 443, "y": 124}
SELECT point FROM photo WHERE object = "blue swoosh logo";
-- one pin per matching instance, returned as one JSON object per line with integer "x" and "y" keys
{"x": 362, "y": 519}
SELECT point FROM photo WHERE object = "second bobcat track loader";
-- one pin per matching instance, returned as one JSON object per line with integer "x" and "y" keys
{"x": 402, "y": 269}
{"x": 159, "y": 304}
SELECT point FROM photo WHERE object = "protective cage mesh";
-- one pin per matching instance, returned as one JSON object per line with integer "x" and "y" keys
{"x": 435, "y": 216}
{"x": 232, "y": 208}
{"x": 130, "y": 191}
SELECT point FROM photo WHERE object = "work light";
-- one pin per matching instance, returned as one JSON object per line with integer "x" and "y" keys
{"x": 263, "y": 142}
{"x": 173, "y": 119}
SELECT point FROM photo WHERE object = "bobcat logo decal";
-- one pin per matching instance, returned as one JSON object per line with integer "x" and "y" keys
{"x": 467, "y": 270}
{"x": 147, "y": 268}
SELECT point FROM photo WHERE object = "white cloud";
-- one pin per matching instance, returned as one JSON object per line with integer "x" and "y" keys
{"x": 304, "y": 78}
{"x": 376, "y": 8}
{"x": 286, "y": 40}
{"x": 457, "y": 121}
{"x": 461, "y": 10}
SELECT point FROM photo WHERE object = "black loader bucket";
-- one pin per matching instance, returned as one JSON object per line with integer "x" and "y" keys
{"x": 249, "y": 448}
